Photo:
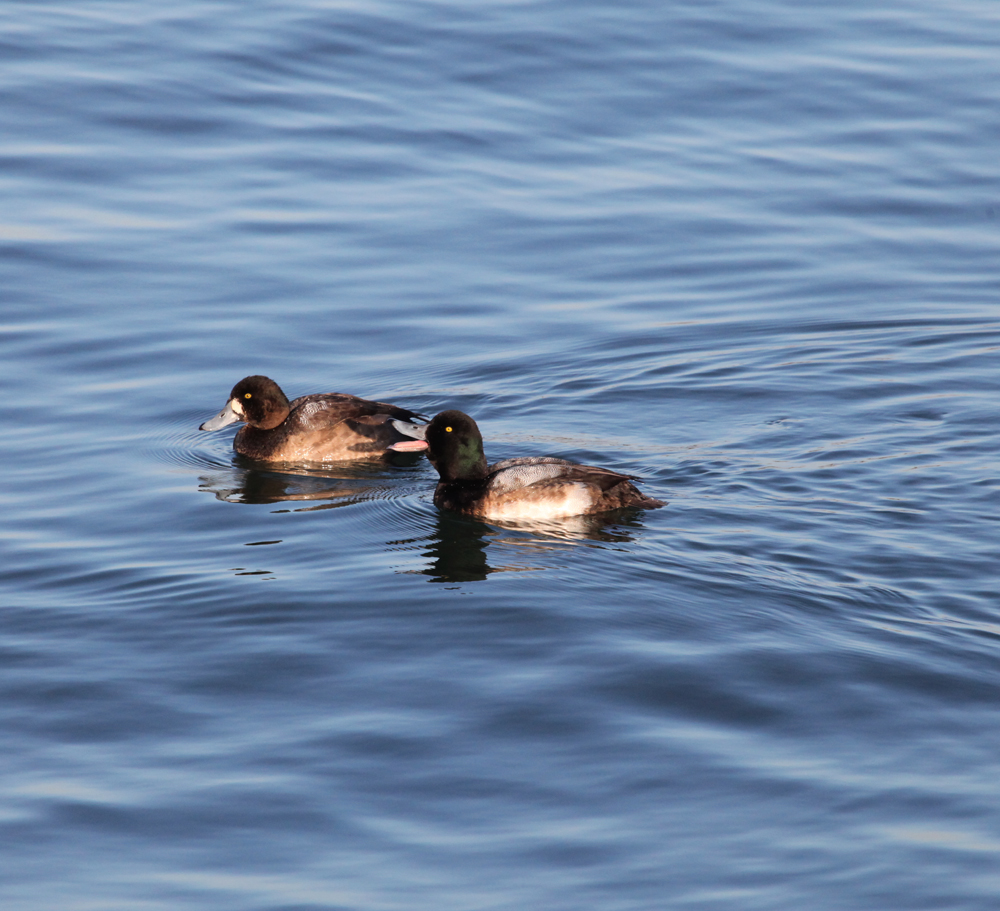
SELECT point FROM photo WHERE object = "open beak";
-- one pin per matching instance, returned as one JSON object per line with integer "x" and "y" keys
{"x": 223, "y": 419}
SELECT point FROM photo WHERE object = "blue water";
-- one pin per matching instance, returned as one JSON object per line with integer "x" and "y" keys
{"x": 748, "y": 251}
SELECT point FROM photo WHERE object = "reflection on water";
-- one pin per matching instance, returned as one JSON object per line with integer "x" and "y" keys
{"x": 256, "y": 487}
{"x": 339, "y": 484}
{"x": 457, "y": 549}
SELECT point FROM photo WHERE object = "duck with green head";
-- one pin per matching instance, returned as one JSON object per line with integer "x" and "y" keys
{"x": 517, "y": 489}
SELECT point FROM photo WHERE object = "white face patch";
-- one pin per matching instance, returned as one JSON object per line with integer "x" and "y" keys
{"x": 236, "y": 405}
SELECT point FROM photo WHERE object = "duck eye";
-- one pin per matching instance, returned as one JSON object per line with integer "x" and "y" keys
{"x": 248, "y": 395}
{"x": 447, "y": 430}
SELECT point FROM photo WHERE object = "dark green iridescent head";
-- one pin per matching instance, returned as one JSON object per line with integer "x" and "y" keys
{"x": 455, "y": 447}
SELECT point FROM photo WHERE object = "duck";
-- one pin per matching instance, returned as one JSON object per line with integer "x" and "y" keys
{"x": 329, "y": 426}
{"x": 536, "y": 487}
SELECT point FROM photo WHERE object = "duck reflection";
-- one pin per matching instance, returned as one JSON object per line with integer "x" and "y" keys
{"x": 457, "y": 549}
{"x": 340, "y": 485}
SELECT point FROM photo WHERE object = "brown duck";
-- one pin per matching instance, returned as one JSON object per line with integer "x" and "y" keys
{"x": 330, "y": 426}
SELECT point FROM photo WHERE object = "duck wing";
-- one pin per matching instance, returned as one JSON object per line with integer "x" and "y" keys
{"x": 328, "y": 408}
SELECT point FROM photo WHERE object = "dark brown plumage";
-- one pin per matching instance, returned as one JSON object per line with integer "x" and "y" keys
{"x": 330, "y": 426}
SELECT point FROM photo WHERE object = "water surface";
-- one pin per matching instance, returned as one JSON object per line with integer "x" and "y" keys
{"x": 747, "y": 251}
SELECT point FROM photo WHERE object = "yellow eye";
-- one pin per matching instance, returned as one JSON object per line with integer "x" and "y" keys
{"x": 447, "y": 430}
{"x": 247, "y": 396}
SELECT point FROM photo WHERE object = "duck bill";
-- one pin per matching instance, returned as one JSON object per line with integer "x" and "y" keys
{"x": 223, "y": 419}
{"x": 409, "y": 446}
{"x": 417, "y": 434}
{"x": 415, "y": 431}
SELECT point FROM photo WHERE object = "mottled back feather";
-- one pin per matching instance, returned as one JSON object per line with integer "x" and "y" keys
{"x": 513, "y": 474}
{"x": 332, "y": 407}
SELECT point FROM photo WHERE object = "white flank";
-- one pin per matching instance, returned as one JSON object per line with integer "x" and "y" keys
{"x": 569, "y": 499}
